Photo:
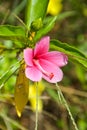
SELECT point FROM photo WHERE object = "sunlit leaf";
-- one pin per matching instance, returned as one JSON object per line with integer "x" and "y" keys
{"x": 49, "y": 22}
{"x": 21, "y": 90}
{"x": 35, "y": 9}
{"x": 48, "y": 25}
{"x": 7, "y": 74}
{"x": 14, "y": 33}
{"x": 72, "y": 52}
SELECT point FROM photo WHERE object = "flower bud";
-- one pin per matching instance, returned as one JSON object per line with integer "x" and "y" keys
{"x": 36, "y": 25}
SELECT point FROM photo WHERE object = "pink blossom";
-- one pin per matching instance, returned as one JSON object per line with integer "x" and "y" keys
{"x": 43, "y": 64}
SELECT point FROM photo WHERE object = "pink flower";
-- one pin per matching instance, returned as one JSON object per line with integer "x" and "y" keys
{"x": 43, "y": 64}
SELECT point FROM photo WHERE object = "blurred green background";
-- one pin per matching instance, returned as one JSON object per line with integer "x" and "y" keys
{"x": 71, "y": 28}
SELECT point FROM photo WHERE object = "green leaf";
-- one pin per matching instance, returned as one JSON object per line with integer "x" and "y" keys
{"x": 48, "y": 25}
{"x": 72, "y": 52}
{"x": 66, "y": 14}
{"x": 5, "y": 77}
{"x": 35, "y": 9}
{"x": 14, "y": 33}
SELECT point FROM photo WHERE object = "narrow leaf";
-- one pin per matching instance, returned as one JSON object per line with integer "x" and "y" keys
{"x": 14, "y": 33}
{"x": 21, "y": 90}
{"x": 65, "y": 14}
{"x": 71, "y": 51}
{"x": 6, "y": 75}
{"x": 48, "y": 25}
{"x": 35, "y": 9}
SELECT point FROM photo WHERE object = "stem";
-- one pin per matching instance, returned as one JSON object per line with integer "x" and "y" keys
{"x": 67, "y": 107}
{"x": 36, "y": 121}
{"x": 19, "y": 20}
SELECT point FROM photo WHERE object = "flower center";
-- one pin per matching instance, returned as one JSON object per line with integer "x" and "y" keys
{"x": 50, "y": 75}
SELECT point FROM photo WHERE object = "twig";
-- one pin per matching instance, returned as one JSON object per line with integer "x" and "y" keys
{"x": 67, "y": 107}
{"x": 36, "y": 122}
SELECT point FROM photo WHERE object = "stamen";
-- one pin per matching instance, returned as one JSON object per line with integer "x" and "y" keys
{"x": 50, "y": 75}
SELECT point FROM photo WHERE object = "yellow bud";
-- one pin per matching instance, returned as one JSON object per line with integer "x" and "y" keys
{"x": 32, "y": 96}
{"x": 54, "y": 7}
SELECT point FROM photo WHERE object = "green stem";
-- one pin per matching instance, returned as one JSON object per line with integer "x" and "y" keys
{"x": 36, "y": 121}
{"x": 67, "y": 107}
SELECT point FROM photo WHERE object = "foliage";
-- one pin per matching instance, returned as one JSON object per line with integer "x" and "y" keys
{"x": 22, "y": 26}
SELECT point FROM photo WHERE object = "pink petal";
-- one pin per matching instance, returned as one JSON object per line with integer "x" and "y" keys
{"x": 28, "y": 56}
{"x": 55, "y": 57}
{"x": 42, "y": 46}
{"x": 51, "y": 68}
{"x": 33, "y": 73}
